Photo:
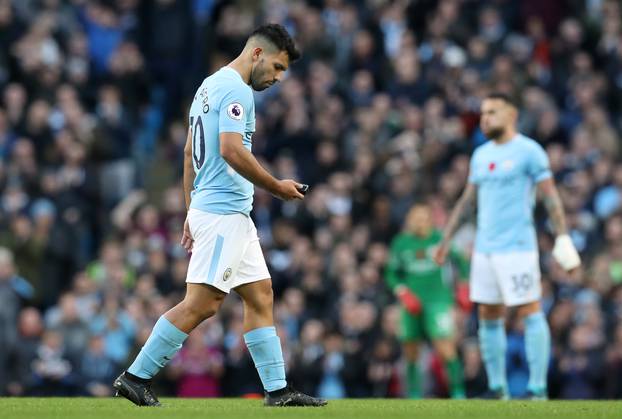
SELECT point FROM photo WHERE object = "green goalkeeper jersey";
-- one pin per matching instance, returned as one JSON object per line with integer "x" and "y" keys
{"x": 411, "y": 264}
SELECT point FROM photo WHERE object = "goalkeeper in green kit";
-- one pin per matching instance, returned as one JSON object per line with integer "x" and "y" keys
{"x": 425, "y": 292}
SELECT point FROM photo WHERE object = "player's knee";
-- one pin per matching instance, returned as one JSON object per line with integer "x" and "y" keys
{"x": 446, "y": 349}
{"x": 491, "y": 311}
{"x": 530, "y": 308}
{"x": 205, "y": 311}
{"x": 202, "y": 311}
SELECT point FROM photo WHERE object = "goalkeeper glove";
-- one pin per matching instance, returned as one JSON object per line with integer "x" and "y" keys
{"x": 409, "y": 299}
{"x": 462, "y": 296}
{"x": 565, "y": 253}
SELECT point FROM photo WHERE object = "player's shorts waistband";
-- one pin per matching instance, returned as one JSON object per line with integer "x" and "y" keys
{"x": 203, "y": 211}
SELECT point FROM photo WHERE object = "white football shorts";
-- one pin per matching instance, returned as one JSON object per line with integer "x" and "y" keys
{"x": 511, "y": 278}
{"x": 226, "y": 251}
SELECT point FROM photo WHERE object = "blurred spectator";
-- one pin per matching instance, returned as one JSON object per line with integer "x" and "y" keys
{"x": 331, "y": 384}
{"x": 24, "y": 352}
{"x": 14, "y": 290}
{"x": 116, "y": 328}
{"x": 517, "y": 367}
{"x": 240, "y": 377}
{"x": 614, "y": 366}
{"x": 97, "y": 369}
{"x": 308, "y": 358}
{"x": 381, "y": 370}
{"x": 580, "y": 367}
{"x": 475, "y": 380}
{"x": 65, "y": 320}
{"x": 28, "y": 246}
{"x": 54, "y": 372}
{"x": 104, "y": 32}
{"x": 199, "y": 365}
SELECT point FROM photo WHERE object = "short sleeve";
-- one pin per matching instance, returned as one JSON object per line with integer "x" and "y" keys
{"x": 538, "y": 167}
{"x": 236, "y": 104}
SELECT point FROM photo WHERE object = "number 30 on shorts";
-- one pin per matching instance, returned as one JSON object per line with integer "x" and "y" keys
{"x": 522, "y": 283}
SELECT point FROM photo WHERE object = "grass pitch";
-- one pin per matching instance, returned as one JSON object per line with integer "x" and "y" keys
{"x": 118, "y": 408}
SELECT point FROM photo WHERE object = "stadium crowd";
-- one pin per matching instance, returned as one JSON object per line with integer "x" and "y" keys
{"x": 380, "y": 113}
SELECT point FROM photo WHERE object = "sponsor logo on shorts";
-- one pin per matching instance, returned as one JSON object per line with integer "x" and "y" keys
{"x": 227, "y": 274}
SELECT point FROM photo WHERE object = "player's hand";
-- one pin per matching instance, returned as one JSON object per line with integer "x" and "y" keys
{"x": 288, "y": 189}
{"x": 462, "y": 296}
{"x": 409, "y": 299}
{"x": 186, "y": 238}
{"x": 565, "y": 253}
{"x": 440, "y": 254}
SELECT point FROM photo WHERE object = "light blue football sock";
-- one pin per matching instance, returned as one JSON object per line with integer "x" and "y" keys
{"x": 493, "y": 344}
{"x": 265, "y": 348}
{"x": 164, "y": 342}
{"x": 538, "y": 350}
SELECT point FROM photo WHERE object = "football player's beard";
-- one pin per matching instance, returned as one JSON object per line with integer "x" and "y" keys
{"x": 256, "y": 80}
{"x": 495, "y": 133}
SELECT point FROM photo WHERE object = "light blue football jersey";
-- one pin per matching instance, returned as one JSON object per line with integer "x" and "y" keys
{"x": 223, "y": 103}
{"x": 506, "y": 176}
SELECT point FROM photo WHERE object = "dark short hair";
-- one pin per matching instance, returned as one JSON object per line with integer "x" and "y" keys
{"x": 504, "y": 97}
{"x": 278, "y": 36}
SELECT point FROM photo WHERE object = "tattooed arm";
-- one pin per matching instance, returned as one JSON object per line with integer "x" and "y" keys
{"x": 564, "y": 251}
{"x": 465, "y": 203}
{"x": 550, "y": 197}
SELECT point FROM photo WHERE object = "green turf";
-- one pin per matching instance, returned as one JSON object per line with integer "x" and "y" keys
{"x": 68, "y": 408}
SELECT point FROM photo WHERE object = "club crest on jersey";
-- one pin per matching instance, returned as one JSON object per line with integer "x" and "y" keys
{"x": 507, "y": 165}
{"x": 492, "y": 166}
{"x": 235, "y": 111}
{"x": 227, "y": 274}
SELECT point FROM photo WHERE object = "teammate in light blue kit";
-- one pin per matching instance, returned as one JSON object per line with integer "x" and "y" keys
{"x": 219, "y": 174}
{"x": 505, "y": 174}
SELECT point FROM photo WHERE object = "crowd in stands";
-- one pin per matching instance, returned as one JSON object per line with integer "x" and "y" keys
{"x": 379, "y": 114}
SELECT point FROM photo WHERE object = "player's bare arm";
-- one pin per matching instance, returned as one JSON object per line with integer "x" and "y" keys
{"x": 465, "y": 203}
{"x": 553, "y": 203}
{"x": 243, "y": 162}
{"x": 188, "y": 169}
{"x": 186, "y": 238}
{"x": 564, "y": 251}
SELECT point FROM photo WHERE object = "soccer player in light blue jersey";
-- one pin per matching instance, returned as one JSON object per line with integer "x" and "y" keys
{"x": 505, "y": 174}
{"x": 219, "y": 174}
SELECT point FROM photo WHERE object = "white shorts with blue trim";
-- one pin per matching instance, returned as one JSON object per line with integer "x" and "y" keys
{"x": 510, "y": 279}
{"x": 226, "y": 251}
